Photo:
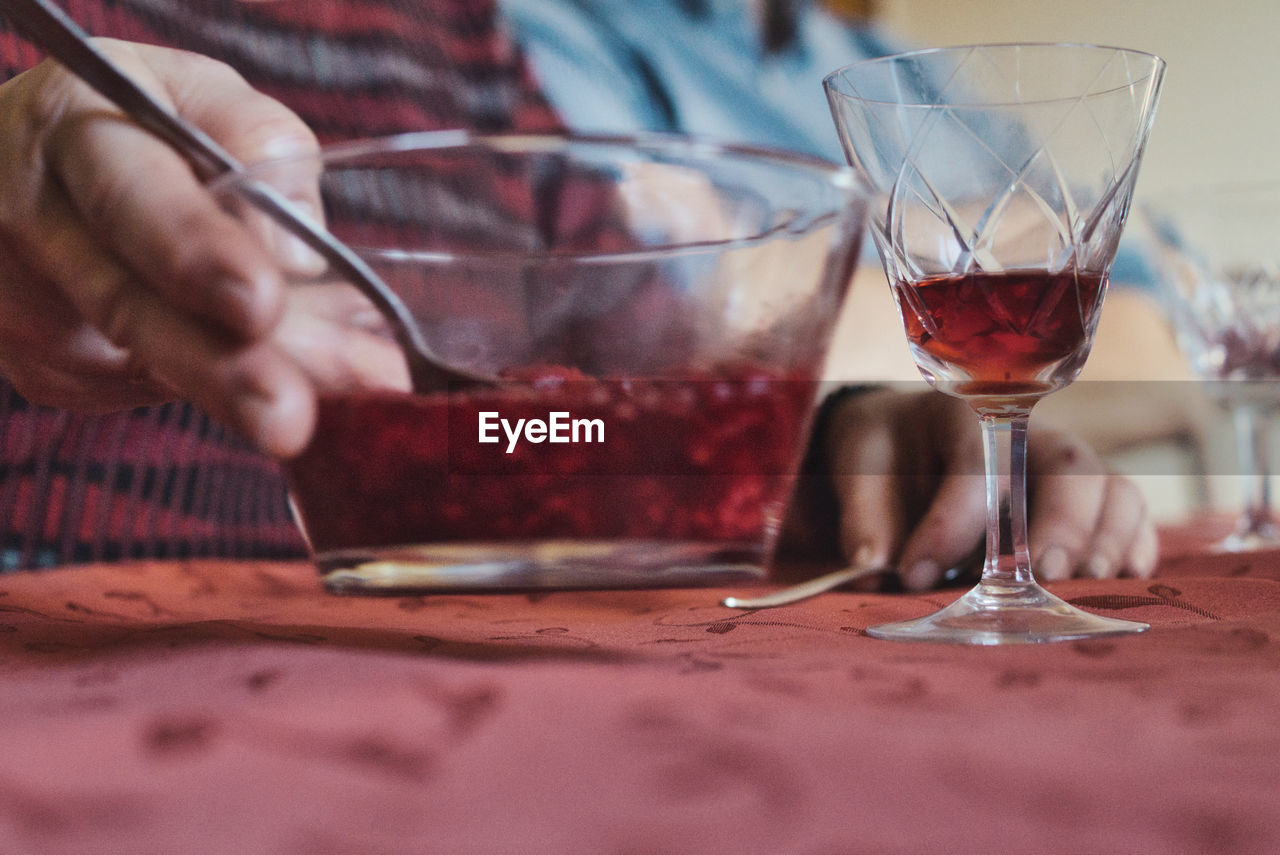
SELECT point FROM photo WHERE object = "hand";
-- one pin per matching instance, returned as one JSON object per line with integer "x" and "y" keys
{"x": 906, "y": 471}
{"x": 121, "y": 281}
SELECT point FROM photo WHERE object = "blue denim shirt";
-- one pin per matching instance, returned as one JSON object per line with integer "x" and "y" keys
{"x": 700, "y": 67}
{"x": 688, "y": 66}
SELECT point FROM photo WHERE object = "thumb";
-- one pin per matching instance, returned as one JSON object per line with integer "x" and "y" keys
{"x": 948, "y": 533}
{"x": 872, "y": 519}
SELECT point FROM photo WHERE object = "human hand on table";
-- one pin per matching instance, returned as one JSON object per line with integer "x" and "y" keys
{"x": 906, "y": 471}
{"x": 122, "y": 283}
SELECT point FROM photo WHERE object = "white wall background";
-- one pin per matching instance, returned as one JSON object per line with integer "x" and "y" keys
{"x": 1219, "y": 116}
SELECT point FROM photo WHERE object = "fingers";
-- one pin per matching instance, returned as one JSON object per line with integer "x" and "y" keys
{"x": 341, "y": 340}
{"x": 149, "y": 219}
{"x": 253, "y": 129}
{"x": 145, "y": 206}
{"x": 1085, "y": 521}
{"x": 1124, "y": 539}
{"x": 907, "y": 471}
{"x": 871, "y": 519}
{"x": 939, "y": 477}
{"x": 251, "y": 385}
{"x": 868, "y": 485}
{"x": 213, "y": 96}
{"x": 900, "y": 504}
{"x": 1069, "y": 494}
{"x": 140, "y": 286}
{"x": 950, "y": 531}
{"x": 1092, "y": 525}
{"x": 1144, "y": 552}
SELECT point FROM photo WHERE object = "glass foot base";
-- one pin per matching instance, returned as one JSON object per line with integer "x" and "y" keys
{"x": 1252, "y": 540}
{"x": 996, "y": 614}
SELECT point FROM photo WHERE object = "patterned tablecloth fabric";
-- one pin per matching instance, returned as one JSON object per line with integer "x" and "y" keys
{"x": 235, "y": 707}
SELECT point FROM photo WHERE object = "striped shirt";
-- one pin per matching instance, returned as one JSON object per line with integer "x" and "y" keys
{"x": 168, "y": 481}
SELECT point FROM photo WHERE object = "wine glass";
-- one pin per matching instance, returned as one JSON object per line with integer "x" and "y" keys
{"x": 1218, "y": 267}
{"x": 1004, "y": 175}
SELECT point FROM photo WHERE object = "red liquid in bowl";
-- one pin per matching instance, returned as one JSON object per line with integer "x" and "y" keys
{"x": 684, "y": 460}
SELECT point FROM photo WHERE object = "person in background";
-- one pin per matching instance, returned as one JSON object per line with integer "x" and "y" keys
{"x": 144, "y": 348}
{"x": 752, "y": 72}
{"x": 725, "y": 69}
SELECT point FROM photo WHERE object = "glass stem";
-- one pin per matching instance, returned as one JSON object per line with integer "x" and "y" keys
{"x": 1253, "y": 442}
{"x": 1008, "y": 562}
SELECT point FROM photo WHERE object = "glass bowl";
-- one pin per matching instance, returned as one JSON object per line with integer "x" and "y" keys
{"x": 655, "y": 311}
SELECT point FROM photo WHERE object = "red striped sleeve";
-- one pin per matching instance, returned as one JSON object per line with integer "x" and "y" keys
{"x": 168, "y": 481}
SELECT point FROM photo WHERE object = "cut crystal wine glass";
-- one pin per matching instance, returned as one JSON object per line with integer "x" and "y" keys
{"x": 1218, "y": 264}
{"x": 1004, "y": 175}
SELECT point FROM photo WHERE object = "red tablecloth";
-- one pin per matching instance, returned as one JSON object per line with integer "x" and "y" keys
{"x": 235, "y": 707}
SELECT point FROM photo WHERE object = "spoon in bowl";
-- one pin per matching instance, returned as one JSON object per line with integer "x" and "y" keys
{"x": 48, "y": 27}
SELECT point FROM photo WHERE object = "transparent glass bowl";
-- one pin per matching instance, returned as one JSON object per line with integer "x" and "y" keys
{"x": 657, "y": 309}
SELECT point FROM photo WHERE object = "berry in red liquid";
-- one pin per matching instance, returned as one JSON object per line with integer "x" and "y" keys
{"x": 1020, "y": 332}
{"x": 708, "y": 460}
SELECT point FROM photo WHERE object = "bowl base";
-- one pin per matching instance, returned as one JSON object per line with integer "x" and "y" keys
{"x": 541, "y": 565}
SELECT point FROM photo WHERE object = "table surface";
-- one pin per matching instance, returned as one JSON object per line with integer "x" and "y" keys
{"x": 219, "y": 706}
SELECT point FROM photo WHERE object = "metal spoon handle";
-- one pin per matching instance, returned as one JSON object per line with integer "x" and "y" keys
{"x": 804, "y": 590}
{"x": 47, "y": 26}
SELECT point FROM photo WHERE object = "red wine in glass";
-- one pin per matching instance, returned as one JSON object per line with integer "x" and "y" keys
{"x": 1010, "y": 334}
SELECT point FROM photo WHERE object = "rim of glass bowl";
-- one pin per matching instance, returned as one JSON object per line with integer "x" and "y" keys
{"x": 841, "y": 178}
{"x": 829, "y": 82}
